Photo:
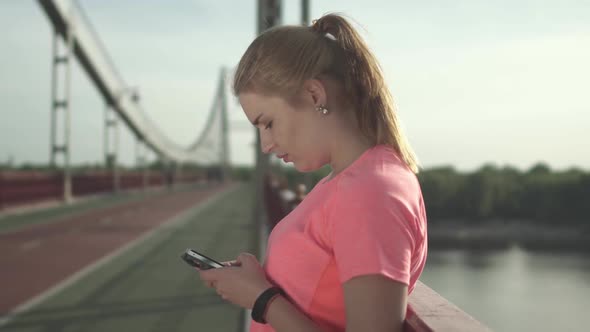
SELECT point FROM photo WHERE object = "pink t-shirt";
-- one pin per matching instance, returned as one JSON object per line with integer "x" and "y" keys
{"x": 368, "y": 219}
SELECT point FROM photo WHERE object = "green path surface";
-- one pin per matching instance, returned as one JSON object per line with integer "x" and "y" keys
{"x": 15, "y": 221}
{"x": 149, "y": 288}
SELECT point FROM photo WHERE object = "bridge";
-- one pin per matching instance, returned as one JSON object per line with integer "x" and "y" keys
{"x": 99, "y": 250}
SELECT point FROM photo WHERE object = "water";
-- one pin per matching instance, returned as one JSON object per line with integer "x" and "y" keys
{"x": 515, "y": 290}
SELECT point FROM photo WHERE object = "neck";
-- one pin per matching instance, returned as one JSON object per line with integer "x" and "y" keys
{"x": 346, "y": 148}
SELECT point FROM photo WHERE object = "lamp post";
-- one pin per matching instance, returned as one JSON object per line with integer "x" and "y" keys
{"x": 141, "y": 160}
{"x": 111, "y": 156}
{"x": 307, "y": 178}
{"x": 269, "y": 15}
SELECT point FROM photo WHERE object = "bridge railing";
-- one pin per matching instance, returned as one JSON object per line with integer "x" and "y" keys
{"x": 18, "y": 188}
{"x": 428, "y": 311}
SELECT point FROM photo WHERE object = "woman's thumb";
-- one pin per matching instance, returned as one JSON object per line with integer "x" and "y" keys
{"x": 246, "y": 259}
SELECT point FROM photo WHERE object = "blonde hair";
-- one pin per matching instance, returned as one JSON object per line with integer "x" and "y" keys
{"x": 280, "y": 60}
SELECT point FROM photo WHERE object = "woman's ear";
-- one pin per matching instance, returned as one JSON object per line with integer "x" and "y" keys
{"x": 314, "y": 91}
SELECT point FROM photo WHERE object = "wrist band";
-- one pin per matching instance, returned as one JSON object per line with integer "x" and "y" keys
{"x": 259, "y": 308}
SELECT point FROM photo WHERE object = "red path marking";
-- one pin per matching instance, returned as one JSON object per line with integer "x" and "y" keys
{"x": 38, "y": 257}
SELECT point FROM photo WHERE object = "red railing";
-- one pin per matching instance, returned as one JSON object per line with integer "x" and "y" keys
{"x": 19, "y": 187}
{"x": 29, "y": 187}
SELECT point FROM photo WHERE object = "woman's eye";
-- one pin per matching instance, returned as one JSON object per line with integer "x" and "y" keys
{"x": 269, "y": 125}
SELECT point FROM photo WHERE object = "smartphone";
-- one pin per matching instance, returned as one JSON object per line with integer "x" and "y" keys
{"x": 200, "y": 261}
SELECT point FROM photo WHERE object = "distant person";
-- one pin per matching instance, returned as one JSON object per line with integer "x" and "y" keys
{"x": 348, "y": 256}
{"x": 275, "y": 209}
{"x": 169, "y": 177}
{"x": 287, "y": 195}
{"x": 300, "y": 193}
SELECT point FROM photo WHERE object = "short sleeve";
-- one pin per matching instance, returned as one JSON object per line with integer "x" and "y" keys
{"x": 370, "y": 232}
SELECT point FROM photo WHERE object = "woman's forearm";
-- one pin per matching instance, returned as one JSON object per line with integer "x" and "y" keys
{"x": 283, "y": 316}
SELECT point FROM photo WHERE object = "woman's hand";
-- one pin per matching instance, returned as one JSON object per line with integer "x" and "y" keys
{"x": 240, "y": 283}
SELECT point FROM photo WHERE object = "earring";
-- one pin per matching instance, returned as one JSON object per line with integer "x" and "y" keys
{"x": 322, "y": 109}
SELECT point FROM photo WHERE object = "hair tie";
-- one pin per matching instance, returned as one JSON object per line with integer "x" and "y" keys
{"x": 315, "y": 26}
{"x": 330, "y": 36}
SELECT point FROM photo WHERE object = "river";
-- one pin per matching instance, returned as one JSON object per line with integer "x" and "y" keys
{"x": 515, "y": 290}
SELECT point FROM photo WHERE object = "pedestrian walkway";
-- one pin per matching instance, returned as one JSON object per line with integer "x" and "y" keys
{"x": 145, "y": 286}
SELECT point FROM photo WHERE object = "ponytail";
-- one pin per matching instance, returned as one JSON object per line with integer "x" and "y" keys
{"x": 364, "y": 83}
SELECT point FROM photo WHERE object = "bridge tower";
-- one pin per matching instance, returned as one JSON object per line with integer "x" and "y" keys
{"x": 61, "y": 75}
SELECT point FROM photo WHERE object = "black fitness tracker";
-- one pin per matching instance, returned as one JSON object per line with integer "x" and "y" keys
{"x": 261, "y": 303}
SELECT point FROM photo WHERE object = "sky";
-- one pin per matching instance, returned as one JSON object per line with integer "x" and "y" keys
{"x": 475, "y": 82}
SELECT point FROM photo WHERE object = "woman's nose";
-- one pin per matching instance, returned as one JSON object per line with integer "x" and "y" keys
{"x": 266, "y": 143}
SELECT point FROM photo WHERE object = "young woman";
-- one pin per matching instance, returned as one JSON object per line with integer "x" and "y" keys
{"x": 348, "y": 256}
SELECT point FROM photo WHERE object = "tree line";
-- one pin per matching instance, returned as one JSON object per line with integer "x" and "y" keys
{"x": 491, "y": 192}
{"x": 501, "y": 193}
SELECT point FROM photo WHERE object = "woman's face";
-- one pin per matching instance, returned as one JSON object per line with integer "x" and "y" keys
{"x": 296, "y": 134}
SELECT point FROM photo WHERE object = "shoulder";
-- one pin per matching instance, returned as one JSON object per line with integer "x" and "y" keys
{"x": 381, "y": 193}
{"x": 381, "y": 176}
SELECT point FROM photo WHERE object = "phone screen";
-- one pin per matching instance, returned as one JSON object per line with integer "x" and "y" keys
{"x": 199, "y": 260}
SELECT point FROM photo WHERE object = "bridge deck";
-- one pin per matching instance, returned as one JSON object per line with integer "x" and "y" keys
{"x": 143, "y": 286}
